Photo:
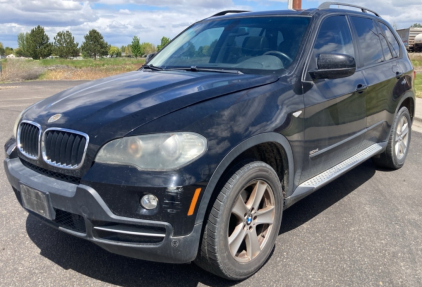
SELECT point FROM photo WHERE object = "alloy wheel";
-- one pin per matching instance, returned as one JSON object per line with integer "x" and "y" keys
{"x": 251, "y": 221}
{"x": 402, "y": 138}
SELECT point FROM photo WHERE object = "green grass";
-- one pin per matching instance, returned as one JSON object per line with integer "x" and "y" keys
{"x": 418, "y": 85}
{"x": 417, "y": 64}
{"x": 91, "y": 63}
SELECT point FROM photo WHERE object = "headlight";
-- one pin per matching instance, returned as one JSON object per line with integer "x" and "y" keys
{"x": 154, "y": 152}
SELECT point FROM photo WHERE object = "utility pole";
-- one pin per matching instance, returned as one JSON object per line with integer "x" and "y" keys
{"x": 295, "y": 4}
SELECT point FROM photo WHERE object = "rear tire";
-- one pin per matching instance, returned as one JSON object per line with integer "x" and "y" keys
{"x": 243, "y": 224}
{"x": 398, "y": 144}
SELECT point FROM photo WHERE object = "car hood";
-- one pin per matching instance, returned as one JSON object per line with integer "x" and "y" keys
{"x": 112, "y": 107}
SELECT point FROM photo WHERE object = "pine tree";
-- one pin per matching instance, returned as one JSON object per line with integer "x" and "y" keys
{"x": 94, "y": 45}
{"x": 65, "y": 46}
{"x": 38, "y": 44}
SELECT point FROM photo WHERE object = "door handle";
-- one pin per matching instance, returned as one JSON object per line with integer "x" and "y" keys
{"x": 361, "y": 88}
{"x": 398, "y": 75}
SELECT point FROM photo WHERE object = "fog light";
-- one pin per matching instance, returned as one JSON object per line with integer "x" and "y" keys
{"x": 149, "y": 201}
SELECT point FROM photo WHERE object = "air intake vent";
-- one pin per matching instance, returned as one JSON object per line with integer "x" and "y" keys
{"x": 70, "y": 221}
{"x": 64, "y": 148}
{"x": 29, "y": 135}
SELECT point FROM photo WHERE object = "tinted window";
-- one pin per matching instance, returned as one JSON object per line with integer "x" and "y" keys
{"x": 385, "y": 47}
{"x": 392, "y": 40}
{"x": 334, "y": 37}
{"x": 262, "y": 45}
{"x": 201, "y": 47}
{"x": 280, "y": 38}
{"x": 368, "y": 41}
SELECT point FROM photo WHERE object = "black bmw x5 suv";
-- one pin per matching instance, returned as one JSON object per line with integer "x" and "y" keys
{"x": 195, "y": 156}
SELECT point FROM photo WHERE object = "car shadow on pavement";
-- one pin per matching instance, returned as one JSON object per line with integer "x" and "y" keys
{"x": 322, "y": 199}
{"x": 86, "y": 258}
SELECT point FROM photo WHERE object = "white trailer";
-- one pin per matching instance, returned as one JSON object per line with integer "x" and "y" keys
{"x": 418, "y": 43}
{"x": 408, "y": 37}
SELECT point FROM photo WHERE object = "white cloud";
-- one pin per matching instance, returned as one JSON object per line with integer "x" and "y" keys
{"x": 154, "y": 18}
{"x": 117, "y": 25}
{"x": 404, "y": 12}
{"x": 46, "y": 13}
{"x": 171, "y": 3}
{"x": 47, "y": 5}
{"x": 124, "y": 11}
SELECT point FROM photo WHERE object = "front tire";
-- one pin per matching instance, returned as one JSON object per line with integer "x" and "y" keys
{"x": 398, "y": 144}
{"x": 243, "y": 223}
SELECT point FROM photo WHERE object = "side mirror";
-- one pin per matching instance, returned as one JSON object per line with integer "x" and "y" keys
{"x": 149, "y": 57}
{"x": 334, "y": 66}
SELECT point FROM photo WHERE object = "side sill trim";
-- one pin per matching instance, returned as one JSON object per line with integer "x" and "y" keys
{"x": 346, "y": 140}
{"x": 328, "y": 176}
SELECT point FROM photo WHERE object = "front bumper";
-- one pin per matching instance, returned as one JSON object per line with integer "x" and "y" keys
{"x": 80, "y": 211}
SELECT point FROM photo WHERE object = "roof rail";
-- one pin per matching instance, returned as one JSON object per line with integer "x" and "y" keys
{"x": 327, "y": 5}
{"x": 222, "y": 13}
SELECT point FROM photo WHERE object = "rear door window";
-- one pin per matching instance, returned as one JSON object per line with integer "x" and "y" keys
{"x": 385, "y": 47}
{"x": 395, "y": 46}
{"x": 368, "y": 41}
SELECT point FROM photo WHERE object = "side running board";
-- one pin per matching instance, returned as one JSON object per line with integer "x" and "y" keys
{"x": 328, "y": 176}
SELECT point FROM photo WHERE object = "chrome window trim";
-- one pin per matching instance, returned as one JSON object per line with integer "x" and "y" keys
{"x": 63, "y": 166}
{"x": 18, "y": 135}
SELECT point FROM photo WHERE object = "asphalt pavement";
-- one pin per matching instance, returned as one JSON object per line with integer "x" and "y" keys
{"x": 364, "y": 229}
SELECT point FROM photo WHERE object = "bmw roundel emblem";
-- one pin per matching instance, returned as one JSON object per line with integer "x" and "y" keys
{"x": 54, "y": 118}
{"x": 249, "y": 220}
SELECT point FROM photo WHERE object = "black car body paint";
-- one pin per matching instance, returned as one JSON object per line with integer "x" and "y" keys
{"x": 312, "y": 125}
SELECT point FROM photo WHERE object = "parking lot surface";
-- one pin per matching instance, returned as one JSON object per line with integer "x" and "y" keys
{"x": 364, "y": 229}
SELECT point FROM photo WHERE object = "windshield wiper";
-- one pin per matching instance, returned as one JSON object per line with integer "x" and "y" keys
{"x": 152, "y": 67}
{"x": 196, "y": 69}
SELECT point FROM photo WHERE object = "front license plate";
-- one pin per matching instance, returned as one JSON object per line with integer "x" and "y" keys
{"x": 37, "y": 202}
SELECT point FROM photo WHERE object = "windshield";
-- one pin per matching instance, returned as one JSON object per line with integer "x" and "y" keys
{"x": 250, "y": 45}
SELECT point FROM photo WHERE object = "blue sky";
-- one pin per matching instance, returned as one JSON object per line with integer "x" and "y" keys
{"x": 120, "y": 20}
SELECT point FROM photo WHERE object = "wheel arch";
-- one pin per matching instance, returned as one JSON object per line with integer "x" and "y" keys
{"x": 235, "y": 156}
{"x": 407, "y": 101}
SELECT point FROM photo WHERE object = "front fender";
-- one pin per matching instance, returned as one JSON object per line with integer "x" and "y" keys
{"x": 233, "y": 154}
